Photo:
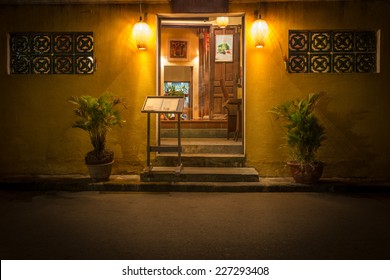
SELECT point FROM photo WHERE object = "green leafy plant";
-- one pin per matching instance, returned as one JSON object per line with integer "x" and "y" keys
{"x": 304, "y": 133}
{"x": 173, "y": 91}
{"x": 97, "y": 116}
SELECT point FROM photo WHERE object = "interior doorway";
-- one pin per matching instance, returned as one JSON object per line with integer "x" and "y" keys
{"x": 204, "y": 62}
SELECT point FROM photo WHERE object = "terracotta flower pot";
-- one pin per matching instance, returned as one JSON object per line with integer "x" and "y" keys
{"x": 100, "y": 172}
{"x": 306, "y": 173}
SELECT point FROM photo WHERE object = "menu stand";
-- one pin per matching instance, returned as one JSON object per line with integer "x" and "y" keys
{"x": 163, "y": 105}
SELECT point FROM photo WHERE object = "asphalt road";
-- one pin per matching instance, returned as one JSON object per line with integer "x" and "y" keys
{"x": 131, "y": 225}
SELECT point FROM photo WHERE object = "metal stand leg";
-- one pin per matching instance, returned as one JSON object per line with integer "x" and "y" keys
{"x": 149, "y": 168}
{"x": 179, "y": 166}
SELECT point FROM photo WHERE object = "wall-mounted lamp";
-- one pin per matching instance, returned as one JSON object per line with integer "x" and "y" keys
{"x": 259, "y": 31}
{"x": 222, "y": 22}
{"x": 141, "y": 32}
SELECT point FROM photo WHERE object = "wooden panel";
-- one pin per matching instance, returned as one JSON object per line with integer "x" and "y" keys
{"x": 229, "y": 72}
{"x": 199, "y": 6}
{"x": 218, "y": 101}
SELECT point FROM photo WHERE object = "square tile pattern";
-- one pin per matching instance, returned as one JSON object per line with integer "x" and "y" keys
{"x": 51, "y": 53}
{"x": 332, "y": 51}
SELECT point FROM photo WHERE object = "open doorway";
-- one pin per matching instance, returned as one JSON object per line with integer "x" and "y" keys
{"x": 203, "y": 62}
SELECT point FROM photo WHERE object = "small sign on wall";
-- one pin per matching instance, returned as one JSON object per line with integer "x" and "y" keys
{"x": 178, "y": 50}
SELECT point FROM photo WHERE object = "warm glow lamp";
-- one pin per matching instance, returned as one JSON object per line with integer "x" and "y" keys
{"x": 222, "y": 22}
{"x": 141, "y": 32}
{"x": 259, "y": 30}
{"x": 259, "y": 33}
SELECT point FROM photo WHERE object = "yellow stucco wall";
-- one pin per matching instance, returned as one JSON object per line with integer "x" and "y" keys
{"x": 36, "y": 118}
{"x": 354, "y": 111}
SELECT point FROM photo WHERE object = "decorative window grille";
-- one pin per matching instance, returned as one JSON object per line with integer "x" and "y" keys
{"x": 332, "y": 51}
{"x": 51, "y": 53}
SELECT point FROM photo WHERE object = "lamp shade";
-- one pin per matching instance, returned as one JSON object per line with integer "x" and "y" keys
{"x": 259, "y": 33}
{"x": 222, "y": 22}
{"x": 141, "y": 33}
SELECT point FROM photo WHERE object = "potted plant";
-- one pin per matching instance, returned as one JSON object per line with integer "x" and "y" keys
{"x": 97, "y": 116}
{"x": 173, "y": 91}
{"x": 304, "y": 135}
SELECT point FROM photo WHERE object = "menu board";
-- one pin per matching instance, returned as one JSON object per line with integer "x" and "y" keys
{"x": 163, "y": 104}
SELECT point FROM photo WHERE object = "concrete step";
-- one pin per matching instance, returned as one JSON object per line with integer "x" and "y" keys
{"x": 200, "y": 174}
{"x": 195, "y": 133}
{"x": 201, "y": 160}
{"x": 207, "y": 146}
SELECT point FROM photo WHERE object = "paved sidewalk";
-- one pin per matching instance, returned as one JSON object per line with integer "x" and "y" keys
{"x": 133, "y": 183}
{"x": 193, "y": 225}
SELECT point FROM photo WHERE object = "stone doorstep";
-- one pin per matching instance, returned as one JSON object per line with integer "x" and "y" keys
{"x": 194, "y": 124}
{"x": 195, "y": 133}
{"x": 205, "y": 146}
{"x": 208, "y": 170}
{"x": 202, "y": 141}
{"x": 200, "y": 174}
{"x": 201, "y": 160}
{"x": 201, "y": 152}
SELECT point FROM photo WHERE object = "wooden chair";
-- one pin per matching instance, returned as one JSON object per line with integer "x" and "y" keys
{"x": 233, "y": 108}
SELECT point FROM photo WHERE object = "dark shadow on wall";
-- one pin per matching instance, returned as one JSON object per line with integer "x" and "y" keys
{"x": 347, "y": 150}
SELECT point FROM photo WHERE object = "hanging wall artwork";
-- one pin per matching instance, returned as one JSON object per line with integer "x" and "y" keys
{"x": 332, "y": 51}
{"x": 51, "y": 53}
{"x": 223, "y": 48}
{"x": 178, "y": 50}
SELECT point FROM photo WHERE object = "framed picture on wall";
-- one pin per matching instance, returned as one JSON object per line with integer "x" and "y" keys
{"x": 178, "y": 50}
{"x": 224, "y": 48}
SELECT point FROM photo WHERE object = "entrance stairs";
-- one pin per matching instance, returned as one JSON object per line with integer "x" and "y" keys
{"x": 203, "y": 159}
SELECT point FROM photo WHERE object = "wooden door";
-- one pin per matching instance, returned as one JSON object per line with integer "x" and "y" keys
{"x": 228, "y": 71}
